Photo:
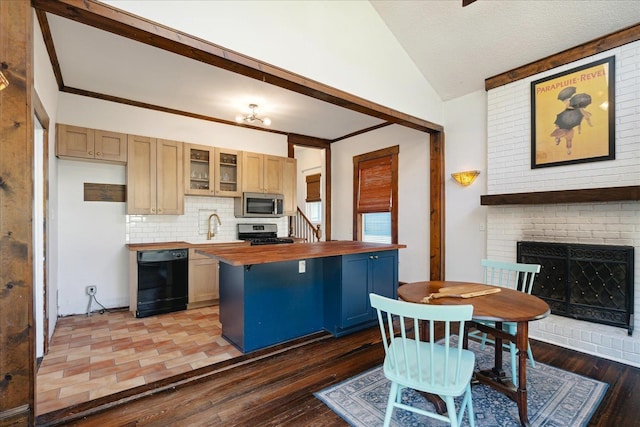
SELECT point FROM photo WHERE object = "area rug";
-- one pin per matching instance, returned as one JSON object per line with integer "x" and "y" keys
{"x": 555, "y": 398}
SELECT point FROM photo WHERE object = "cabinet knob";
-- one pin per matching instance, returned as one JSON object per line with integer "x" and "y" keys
{"x": 370, "y": 256}
{"x": 159, "y": 211}
{"x": 91, "y": 153}
{"x": 98, "y": 153}
{"x": 153, "y": 209}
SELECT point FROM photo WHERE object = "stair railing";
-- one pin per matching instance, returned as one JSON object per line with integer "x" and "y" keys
{"x": 300, "y": 227}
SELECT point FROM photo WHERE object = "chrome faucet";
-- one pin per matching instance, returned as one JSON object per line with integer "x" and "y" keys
{"x": 210, "y": 233}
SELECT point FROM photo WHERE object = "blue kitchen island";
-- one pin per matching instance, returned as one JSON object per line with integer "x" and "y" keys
{"x": 276, "y": 293}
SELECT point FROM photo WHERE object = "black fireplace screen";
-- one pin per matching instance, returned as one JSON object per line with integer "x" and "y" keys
{"x": 586, "y": 282}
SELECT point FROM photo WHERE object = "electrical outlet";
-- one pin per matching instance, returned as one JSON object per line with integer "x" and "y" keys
{"x": 91, "y": 290}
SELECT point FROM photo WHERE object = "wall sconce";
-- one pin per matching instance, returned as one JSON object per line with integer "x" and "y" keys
{"x": 465, "y": 178}
{"x": 3, "y": 81}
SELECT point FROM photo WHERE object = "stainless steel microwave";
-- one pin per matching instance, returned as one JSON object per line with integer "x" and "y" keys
{"x": 259, "y": 205}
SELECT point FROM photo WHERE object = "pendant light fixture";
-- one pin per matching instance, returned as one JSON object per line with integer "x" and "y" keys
{"x": 253, "y": 117}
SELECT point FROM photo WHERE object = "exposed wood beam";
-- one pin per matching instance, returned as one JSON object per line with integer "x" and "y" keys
{"x": 360, "y": 132}
{"x": 51, "y": 49}
{"x": 139, "y": 104}
{"x": 437, "y": 207}
{"x": 587, "y": 195}
{"x": 308, "y": 141}
{"x": 611, "y": 41}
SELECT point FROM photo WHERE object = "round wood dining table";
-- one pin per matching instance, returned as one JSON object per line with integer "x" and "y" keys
{"x": 507, "y": 305}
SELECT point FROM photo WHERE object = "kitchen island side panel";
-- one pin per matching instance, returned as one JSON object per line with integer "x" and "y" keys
{"x": 270, "y": 303}
{"x": 231, "y": 284}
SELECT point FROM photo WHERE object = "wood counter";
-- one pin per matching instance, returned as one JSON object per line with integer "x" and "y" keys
{"x": 262, "y": 254}
{"x": 158, "y": 246}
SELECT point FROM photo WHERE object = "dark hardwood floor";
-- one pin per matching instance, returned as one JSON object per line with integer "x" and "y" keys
{"x": 276, "y": 389}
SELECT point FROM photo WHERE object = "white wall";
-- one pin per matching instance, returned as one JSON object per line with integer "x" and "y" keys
{"x": 413, "y": 192}
{"x": 616, "y": 223}
{"x": 343, "y": 44}
{"x": 47, "y": 90}
{"x": 465, "y": 220}
{"x": 38, "y": 234}
{"x": 91, "y": 249}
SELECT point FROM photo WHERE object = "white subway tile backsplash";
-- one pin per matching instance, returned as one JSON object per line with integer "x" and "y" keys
{"x": 192, "y": 226}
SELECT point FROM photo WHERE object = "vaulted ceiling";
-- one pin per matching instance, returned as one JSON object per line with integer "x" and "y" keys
{"x": 456, "y": 48}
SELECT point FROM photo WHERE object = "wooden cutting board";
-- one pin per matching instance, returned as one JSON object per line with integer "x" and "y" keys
{"x": 461, "y": 291}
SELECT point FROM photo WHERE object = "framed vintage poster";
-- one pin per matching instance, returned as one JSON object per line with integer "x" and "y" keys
{"x": 573, "y": 116}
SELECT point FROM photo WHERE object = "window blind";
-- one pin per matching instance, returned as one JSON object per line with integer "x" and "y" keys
{"x": 313, "y": 188}
{"x": 375, "y": 185}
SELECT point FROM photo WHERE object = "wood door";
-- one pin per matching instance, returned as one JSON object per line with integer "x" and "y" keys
{"x": 273, "y": 170}
{"x": 289, "y": 186}
{"x": 252, "y": 172}
{"x": 110, "y": 146}
{"x": 141, "y": 175}
{"x": 170, "y": 179}
{"x": 75, "y": 141}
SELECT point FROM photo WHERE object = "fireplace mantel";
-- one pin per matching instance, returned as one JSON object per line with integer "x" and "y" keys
{"x": 589, "y": 195}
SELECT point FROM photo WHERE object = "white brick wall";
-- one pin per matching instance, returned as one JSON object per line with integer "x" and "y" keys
{"x": 509, "y": 171}
{"x": 192, "y": 226}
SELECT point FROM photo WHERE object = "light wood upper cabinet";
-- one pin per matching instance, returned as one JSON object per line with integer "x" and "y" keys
{"x": 273, "y": 173}
{"x": 199, "y": 170}
{"x": 74, "y": 142}
{"x": 252, "y": 172}
{"x": 228, "y": 178}
{"x": 155, "y": 177}
{"x": 289, "y": 186}
{"x": 262, "y": 173}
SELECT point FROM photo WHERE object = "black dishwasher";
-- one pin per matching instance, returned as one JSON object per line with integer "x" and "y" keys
{"x": 163, "y": 277}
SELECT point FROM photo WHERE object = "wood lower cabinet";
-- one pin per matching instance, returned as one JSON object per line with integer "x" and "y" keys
{"x": 203, "y": 280}
{"x": 80, "y": 143}
{"x": 155, "y": 181}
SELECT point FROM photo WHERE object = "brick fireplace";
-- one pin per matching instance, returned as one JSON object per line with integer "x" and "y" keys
{"x": 545, "y": 209}
{"x": 588, "y": 223}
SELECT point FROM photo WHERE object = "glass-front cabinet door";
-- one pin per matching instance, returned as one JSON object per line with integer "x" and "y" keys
{"x": 199, "y": 170}
{"x": 228, "y": 172}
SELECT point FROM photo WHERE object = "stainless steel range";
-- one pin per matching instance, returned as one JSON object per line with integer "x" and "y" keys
{"x": 261, "y": 234}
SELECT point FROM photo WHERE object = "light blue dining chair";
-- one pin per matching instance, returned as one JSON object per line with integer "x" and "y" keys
{"x": 517, "y": 276}
{"x": 441, "y": 369}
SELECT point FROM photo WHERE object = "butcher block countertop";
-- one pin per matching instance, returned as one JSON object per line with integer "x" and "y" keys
{"x": 183, "y": 245}
{"x": 262, "y": 254}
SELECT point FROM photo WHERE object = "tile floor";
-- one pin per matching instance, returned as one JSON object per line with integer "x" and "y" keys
{"x": 93, "y": 356}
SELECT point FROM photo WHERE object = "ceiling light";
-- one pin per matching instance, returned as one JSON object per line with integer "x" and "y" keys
{"x": 465, "y": 178}
{"x": 253, "y": 117}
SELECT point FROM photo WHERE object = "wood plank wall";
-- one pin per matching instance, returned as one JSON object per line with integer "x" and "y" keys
{"x": 17, "y": 363}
